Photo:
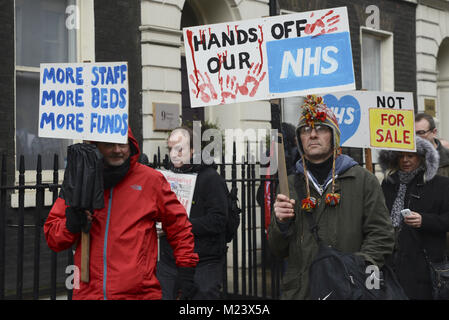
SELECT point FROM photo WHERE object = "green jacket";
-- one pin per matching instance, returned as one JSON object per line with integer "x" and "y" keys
{"x": 360, "y": 223}
{"x": 444, "y": 159}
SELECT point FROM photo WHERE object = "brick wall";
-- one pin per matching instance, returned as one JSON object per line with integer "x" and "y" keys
{"x": 396, "y": 16}
{"x": 117, "y": 38}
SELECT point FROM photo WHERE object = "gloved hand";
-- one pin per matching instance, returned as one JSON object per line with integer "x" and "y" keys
{"x": 76, "y": 220}
{"x": 185, "y": 287}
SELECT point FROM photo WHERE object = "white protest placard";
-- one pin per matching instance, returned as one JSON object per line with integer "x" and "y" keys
{"x": 267, "y": 58}
{"x": 183, "y": 185}
{"x": 86, "y": 101}
{"x": 374, "y": 119}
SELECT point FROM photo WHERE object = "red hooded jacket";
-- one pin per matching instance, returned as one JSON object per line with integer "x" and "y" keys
{"x": 123, "y": 239}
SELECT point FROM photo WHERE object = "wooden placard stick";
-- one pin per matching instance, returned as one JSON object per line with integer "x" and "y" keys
{"x": 282, "y": 169}
{"x": 85, "y": 255}
{"x": 85, "y": 246}
{"x": 368, "y": 157}
{"x": 368, "y": 160}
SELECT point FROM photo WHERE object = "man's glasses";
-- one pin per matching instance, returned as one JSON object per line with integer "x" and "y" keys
{"x": 319, "y": 129}
{"x": 422, "y": 132}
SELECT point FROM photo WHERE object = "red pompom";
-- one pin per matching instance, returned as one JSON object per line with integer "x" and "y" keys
{"x": 308, "y": 204}
{"x": 332, "y": 199}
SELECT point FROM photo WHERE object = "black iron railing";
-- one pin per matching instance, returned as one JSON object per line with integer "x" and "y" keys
{"x": 24, "y": 227}
{"x": 30, "y": 270}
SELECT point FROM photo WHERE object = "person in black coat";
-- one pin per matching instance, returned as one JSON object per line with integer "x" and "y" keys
{"x": 411, "y": 183}
{"x": 208, "y": 215}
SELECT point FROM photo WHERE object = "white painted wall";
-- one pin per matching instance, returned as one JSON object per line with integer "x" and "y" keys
{"x": 443, "y": 87}
{"x": 86, "y": 34}
{"x": 432, "y": 27}
{"x": 161, "y": 64}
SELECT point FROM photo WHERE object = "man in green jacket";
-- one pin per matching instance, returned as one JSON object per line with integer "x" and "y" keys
{"x": 345, "y": 200}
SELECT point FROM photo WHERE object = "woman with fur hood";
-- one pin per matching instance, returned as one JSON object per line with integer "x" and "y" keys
{"x": 411, "y": 183}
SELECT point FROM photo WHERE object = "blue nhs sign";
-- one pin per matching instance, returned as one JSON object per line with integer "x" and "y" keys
{"x": 317, "y": 64}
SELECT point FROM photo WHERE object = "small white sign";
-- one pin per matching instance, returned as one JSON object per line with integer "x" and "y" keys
{"x": 183, "y": 185}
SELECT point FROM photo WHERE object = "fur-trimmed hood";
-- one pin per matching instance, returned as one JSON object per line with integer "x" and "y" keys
{"x": 388, "y": 160}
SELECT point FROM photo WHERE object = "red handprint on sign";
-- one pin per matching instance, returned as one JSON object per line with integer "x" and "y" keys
{"x": 254, "y": 78}
{"x": 206, "y": 88}
{"x": 229, "y": 91}
{"x": 326, "y": 21}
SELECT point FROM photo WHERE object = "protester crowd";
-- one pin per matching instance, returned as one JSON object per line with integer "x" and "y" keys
{"x": 333, "y": 208}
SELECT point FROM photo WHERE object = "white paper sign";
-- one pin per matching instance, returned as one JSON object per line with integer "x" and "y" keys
{"x": 374, "y": 119}
{"x": 87, "y": 101}
{"x": 183, "y": 185}
{"x": 267, "y": 58}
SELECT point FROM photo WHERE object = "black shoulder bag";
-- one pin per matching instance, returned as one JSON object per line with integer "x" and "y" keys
{"x": 439, "y": 273}
{"x": 335, "y": 275}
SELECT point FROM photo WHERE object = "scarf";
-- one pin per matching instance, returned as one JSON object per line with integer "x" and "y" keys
{"x": 113, "y": 175}
{"x": 185, "y": 168}
{"x": 321, "y": 170}
{"x": 398, "y": 204}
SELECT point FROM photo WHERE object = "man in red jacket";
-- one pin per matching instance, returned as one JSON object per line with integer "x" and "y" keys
{"x": 123, "y": 245}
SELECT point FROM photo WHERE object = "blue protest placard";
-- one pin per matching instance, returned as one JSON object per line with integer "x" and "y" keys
{"x": 300, "y": 64}
{"x": 309, "y": 53}
{"x": 86, "y": 101}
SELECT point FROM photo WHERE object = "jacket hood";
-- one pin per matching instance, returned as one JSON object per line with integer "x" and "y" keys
{"x": 134, "y": 145}
{"x": 342, "y": 164}
{"x": 388, "y": 159}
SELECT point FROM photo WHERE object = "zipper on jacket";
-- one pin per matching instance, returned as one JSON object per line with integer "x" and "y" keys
{"x": 105, "y": 246}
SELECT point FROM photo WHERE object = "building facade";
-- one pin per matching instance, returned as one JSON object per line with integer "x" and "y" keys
{"x": 432, "y": 61}
{"x": 397, "y": 45}
{"x": 148, "y": 35}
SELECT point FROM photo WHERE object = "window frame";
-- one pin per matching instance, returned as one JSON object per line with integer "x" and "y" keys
{"x": 84, "y": 43}
{"x": 386, "y": 56}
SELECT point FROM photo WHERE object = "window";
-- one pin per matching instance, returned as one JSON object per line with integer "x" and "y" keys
{"x": 377, "y": 64}
{"x": 371, "y": 74}
{"x": 377, "y": 60}
{"x": 291, "y": 109}
{"x": 41, "y": 37}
